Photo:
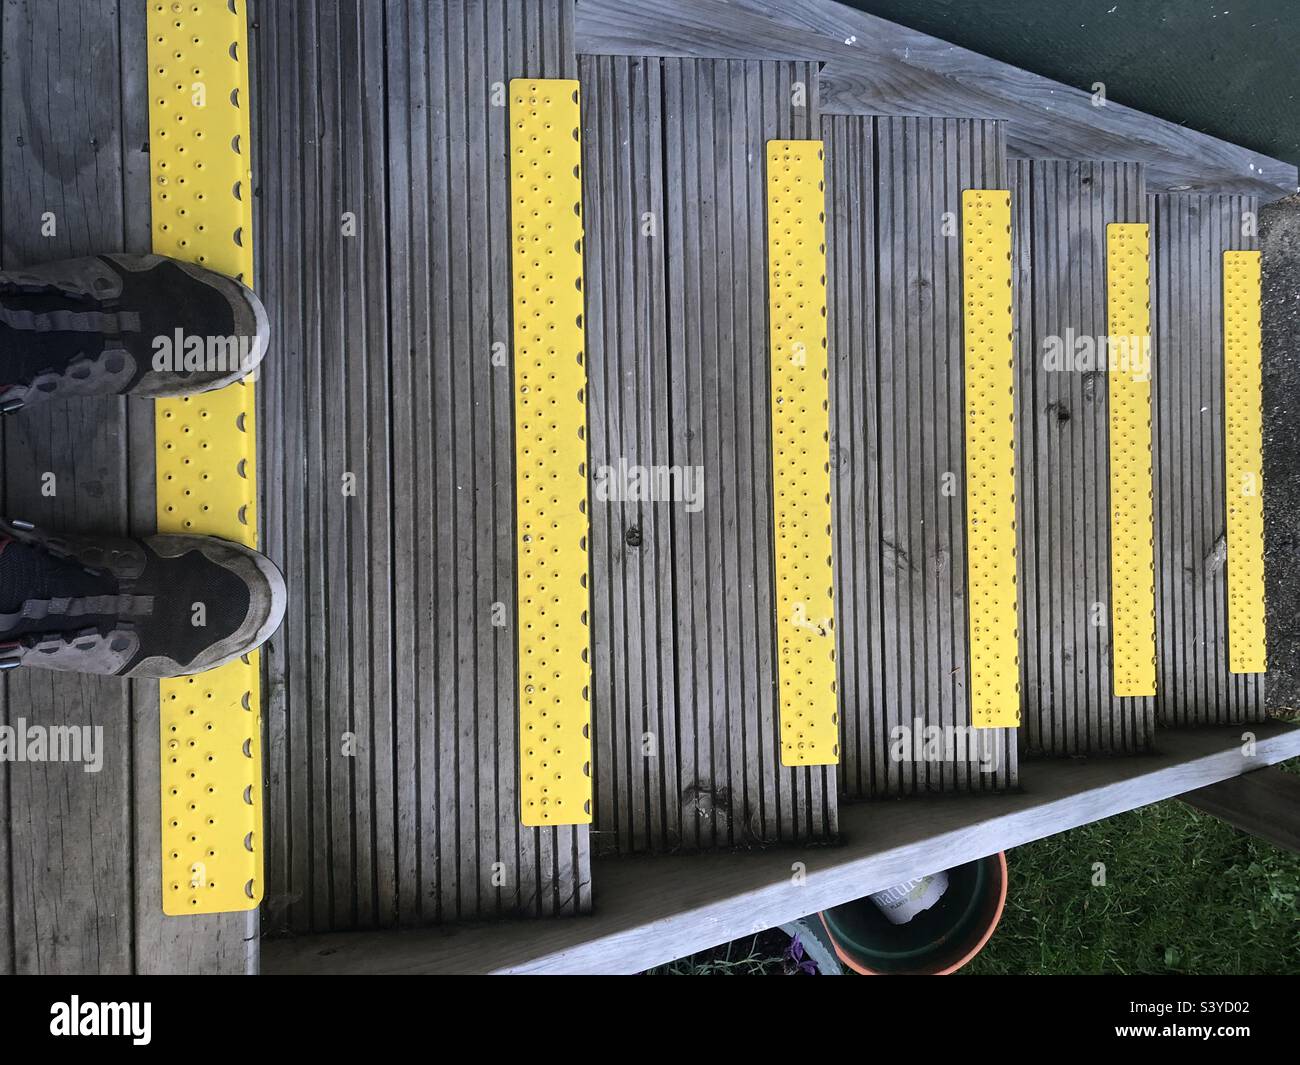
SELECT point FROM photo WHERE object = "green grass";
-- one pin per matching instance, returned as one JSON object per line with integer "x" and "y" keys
{"x": 1184, "y": 893}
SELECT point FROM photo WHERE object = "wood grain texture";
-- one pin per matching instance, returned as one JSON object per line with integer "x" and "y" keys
{"x": 895, "y": 305}
{"x": 326, "y": 293}
{"x": 684, "y": 696}
{"x": 1063, "y": 209}
{"x": 718, "y": 116}
{"x": 61, "y": 154}
{"x": 387, "y": 429}
{"x": 655, "y": 909}
{"x": 81, "y": 850}
{"x": 889, "y": 69}
{"x": 1265, "y": 803}
{"x": 1189, "y": 235}
{"x": 634, "y": 701}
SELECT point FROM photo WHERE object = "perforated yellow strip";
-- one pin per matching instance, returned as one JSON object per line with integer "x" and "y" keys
{"x": 801, "y": 482}
{"x": 206, "y": 452}
{"x": 990, "y": 459}
{"x": 1132, "y": 534}
{"x": 1247, "y": 646}
{"x": 550, "y": 378}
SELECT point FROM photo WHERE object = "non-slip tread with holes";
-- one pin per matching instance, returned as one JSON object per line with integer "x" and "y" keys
{"x": 990, "y": 459}
{"x": 210, "y": 729}
{"x": 1243, "y": 422}
{"x": 1132, "y": 535}
{"x": 800, "y": 409}
{"x": 551, "y": 518}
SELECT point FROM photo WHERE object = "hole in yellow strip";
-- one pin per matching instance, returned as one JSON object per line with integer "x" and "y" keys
{"x": 801, "y": 485}
{"x": 550, "y": 381}
{"x": 210, "y": 725}
{"x": 990, "y": 459}
{"x": 1132, "y": 534}
{"x": 1243, "y": 452}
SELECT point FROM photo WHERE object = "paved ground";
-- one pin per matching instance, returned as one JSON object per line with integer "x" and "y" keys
{"x": 1280, "y": 236}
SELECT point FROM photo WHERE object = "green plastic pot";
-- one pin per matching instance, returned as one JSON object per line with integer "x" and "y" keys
{"x": 937, "y": 941}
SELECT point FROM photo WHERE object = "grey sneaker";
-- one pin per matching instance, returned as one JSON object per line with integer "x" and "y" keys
{"x": 141, "y": 325}
{"x": 164, "y": 606}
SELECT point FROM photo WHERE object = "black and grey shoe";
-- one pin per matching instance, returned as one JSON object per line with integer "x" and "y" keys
{"x": 141, "y": 325}
{"x": 164, "y": 606}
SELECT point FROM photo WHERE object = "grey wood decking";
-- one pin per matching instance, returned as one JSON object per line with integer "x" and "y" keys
{"x": 634, "y": 665}
{"x": 1189, "y": 235}
{"x": 684, "y": 681}
{"x": 80, "y": 886}
{"x": 872, "y": 66}
{"x": 898, "y": 447}
{"x": 393, "y": 721}
{"x": 1062, "y": 211}
{"x": 62, "y": 146}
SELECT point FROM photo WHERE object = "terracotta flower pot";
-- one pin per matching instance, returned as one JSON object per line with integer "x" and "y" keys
{"x": 937, "y": 941}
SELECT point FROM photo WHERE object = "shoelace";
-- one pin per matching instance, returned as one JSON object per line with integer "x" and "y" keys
{"x": 15, "y": 282}
{"x": 107, "y": 322}
{"x": 13, "y": 651}
{"x": 112, "y": 341}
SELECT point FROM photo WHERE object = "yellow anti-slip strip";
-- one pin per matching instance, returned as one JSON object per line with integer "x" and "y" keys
{"x": 801, "y": 481}
{"x": 990, "y": 459}
{"x": 1132, "y": 535}
{"x": 206, "y": 451}
{"x": 550, "y": 379}
{"x": 1247, "y": 648}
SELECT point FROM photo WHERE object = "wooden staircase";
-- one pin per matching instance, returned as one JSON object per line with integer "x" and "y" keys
{"x": 391, "y": 708}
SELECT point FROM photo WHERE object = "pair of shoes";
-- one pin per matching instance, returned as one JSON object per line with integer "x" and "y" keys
{"x": 163, "y": 606}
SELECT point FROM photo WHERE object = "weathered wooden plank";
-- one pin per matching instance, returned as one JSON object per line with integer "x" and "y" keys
{"x": 1032, "y": 550}
{"x": 1064, "y": 507}
{"x": 461, "y": 851}
{"x": 394, "y": 769}
{"x": 896, "y": 562}
{"x": 392, "y": 723}
{"x": 80, "y": 150}
{"x": 280, "y": 44}
{"x": 717, "y": 118}
{"x": 877, "y": 67}
{"x": 408, "y": 148}
{"x": 498, "y": 760}
{"x": 659, "y": 908}
{"x": 897, "y": 382}
{"x": 638, "y": 800}
{"x": 61, "y": 194}
{"x": 1189, "y": 236}
{"x": 855, "y": 417}
{"x": 1265, "y": 803}
{"x": 370, "y": 448}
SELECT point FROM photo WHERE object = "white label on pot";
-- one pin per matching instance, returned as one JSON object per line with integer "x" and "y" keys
{"x": 902, "y": 902}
